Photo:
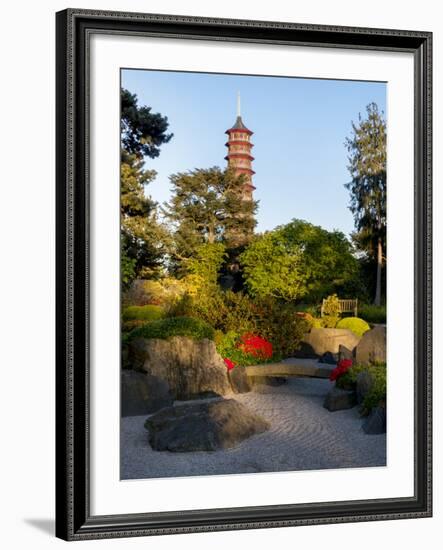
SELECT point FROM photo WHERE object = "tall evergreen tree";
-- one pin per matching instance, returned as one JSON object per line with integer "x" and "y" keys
{"x": 367, "y": 166}
{"x": 207, "y": 206}
{"x": 142, "y": 134}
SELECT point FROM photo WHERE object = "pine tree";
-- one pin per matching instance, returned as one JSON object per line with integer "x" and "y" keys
{"x": 367, "y": 166}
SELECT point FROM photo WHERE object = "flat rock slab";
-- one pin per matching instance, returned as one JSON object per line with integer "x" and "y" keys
{"x": 207, "y": 426}
{"x": 310, "y": 368}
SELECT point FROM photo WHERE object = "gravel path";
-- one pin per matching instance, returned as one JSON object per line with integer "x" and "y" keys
{"x": 303, "y": 436}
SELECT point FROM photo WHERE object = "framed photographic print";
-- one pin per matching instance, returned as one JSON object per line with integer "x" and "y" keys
{"x": 243, "y": 274}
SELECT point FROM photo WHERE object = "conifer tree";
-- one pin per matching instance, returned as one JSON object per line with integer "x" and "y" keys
{"x": 207, "y": 206}
{"x": 367, "y": 166}
{"x": 142, "y": 236}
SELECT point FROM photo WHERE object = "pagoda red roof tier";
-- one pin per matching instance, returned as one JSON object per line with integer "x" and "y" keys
{"x": 239, "y": 156}
{"x": 238, "y": 142}
{"x": 244, "y": 170}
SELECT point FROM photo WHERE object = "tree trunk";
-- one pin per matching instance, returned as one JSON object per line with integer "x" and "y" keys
{"x": 377, "y": 300}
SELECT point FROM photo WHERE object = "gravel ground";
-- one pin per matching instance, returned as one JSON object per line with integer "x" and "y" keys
{"x": 303, "y": 436}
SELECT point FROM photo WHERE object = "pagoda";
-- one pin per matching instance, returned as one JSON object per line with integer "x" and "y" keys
{"x": 239, "y": 152}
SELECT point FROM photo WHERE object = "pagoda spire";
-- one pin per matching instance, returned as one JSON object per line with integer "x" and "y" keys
{"x": 238, "y": 105}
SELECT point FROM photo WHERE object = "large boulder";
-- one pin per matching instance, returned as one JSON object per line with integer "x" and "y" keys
{"x": 322, "y": 340}
{"x": 372, "y": 346}
{"x": 191, "y": 368}
{"x": 142, "y": 393}
{"x": 208, "y": 426}
{"x": 338, "y": 399}
{"x": 375, "y": 423}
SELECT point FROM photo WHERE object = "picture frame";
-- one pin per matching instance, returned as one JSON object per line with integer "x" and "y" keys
{"x": 74, "y": 519}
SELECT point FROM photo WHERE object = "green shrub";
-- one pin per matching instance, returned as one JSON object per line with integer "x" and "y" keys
{"x": 316, "y": 322}
{"x": 357, "y": 325}
{"x": 182, "y": 307}
{"x": 225, "y": 343}
{"x": 312, "y": 322}
{"x": 142, "y": 313}
{"x": 225, "y": 311}
{"x": 235, "y": 312}
{"x": 331, "y": 306}
{"x": 347, "y": 381}
{"x": 174, "y": 326}
{"x": 329, "y": 321}
{"x": 377, "y": 393}
{"x": 373, "y": 314}
{"x": 240, "y": 313}
{"x": 279, "y": 324}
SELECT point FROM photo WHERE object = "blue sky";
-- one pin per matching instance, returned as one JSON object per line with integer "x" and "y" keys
{"x": 299, "y": 126}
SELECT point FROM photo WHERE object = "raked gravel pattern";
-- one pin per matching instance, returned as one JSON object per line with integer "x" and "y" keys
{"x": 303, "y": 436}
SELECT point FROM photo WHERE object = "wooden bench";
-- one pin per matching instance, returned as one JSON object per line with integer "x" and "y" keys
{"x": 346, "y": 306}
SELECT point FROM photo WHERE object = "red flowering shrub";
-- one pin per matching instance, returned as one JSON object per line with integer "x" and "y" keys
{"x": 256, "y": 346}
{"x": 229, "y": 364}
{"x": 343, "y": 366}
{"x": 242, "y": 351}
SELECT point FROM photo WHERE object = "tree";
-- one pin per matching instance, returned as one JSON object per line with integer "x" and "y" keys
{"x": 142, "y": 236}
{"x": 272, "y": 267}
{"x": 329, "y": 265}
{"x": 207, "y": 262}
{"x": 367, "y": 167}
{"x": 206, "y": 207}
{"x": 299, "y": 260}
